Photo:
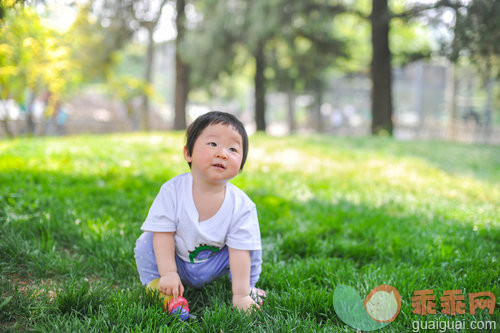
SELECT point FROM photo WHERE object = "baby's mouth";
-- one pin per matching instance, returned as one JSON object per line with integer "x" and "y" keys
{"x": 218, "y": 165}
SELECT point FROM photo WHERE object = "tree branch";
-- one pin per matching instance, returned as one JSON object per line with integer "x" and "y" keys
{"x": 332, "y": 9}
{"x": 324, "y": 44}
{"x": 419, "y": 9}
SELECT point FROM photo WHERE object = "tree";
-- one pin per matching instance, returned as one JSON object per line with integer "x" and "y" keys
{"x": 12, "y": 54}
{"x": 127, "y": 88}
{"x": 381, "y": 69}
{"x": 5, "y": 5}
{"x": 313, "y": 49}
{"x": 476, "y": 36}
{"x": 381, "y": 18}
{"x": 101, "y": 29}
{"x": 477, "y": 31}
{"x": 260, "y": 87}
{"x": 232, "y": 27}
{"x": 26, "y": 63}
{"x": 36, "y": 60}
{"x": 181, "y": 69}
{"x": 121, "y": 20}
{"x": 148, "y": 14}
{"x": 474, "y": 33}
{"x": 256, "y": 29}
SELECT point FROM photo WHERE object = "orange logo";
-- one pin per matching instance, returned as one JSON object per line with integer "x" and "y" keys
{"x": 383, "y": 303}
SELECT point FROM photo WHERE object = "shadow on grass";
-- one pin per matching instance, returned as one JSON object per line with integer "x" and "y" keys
{"x": 474, "y": 160}
{"x": 364, "y": 233}
{"x": 56, "y": 224}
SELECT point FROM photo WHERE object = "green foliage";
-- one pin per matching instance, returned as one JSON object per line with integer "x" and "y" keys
{"x": 90, "y": 49}
{"x": 296, "y": 54}
{"x": 34, "y": 58}
{"x": 409, "y": 42}
{"x": 477, "y": 31}
{"x": 214, "y": 40}
{"x": 94, "y": 45}
{"x": 303, "y": 41}
{"x": 356, "y": 31}
{"x": 359, "y": 212}
{"x": 126, "y": 88}
{"x": 6, "y": 5}
{"x": 307, "y": 43}
{"x": 129, "y": 61}
{"x": 22, "y": 42}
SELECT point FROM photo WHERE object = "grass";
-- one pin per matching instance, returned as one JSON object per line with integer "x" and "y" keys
{"x": 359, "y": 211}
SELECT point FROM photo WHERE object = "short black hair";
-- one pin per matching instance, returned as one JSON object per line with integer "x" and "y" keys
{"x": 212, "y": 118}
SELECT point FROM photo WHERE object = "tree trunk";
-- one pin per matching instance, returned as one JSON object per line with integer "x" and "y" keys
{"x": 6, "y": 128}
{"x": 260, "y": 90}
{"x": 148, "y": 73}
{"x": 490, "y": 92}
{"x": 5, "y": 120}
{"x": 291, "y": 111}
{"x": 133, "y": 116}
{"x": 450, "y": 100}
{"x": 181, "y": 70}
{"x": 419, "y": 95}
{"x": 30, "y": 121}
{"x": 318, "y": 117}
{"x": 381, "y": 70}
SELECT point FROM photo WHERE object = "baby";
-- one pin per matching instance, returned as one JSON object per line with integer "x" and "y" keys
{"x": 200, "y": 226}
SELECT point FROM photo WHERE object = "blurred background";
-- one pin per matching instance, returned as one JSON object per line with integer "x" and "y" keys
{"x": 408, "y": 69}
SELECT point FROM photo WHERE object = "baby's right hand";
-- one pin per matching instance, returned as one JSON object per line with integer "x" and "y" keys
{"x": 245, "y": 303}
{"x": 170, "y": 284}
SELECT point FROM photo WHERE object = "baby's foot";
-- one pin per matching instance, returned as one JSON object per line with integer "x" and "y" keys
{"x": 257, "y": 295}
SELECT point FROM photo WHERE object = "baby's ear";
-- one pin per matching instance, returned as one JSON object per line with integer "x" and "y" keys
{"x": 187, "y": 156}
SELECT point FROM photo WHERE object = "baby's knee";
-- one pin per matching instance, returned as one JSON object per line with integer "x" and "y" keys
{"x": 143, "y": 245}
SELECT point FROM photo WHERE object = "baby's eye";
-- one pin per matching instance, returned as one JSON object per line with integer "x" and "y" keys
{"x": 213, "y": 144}
{"x": 234, "y": 150}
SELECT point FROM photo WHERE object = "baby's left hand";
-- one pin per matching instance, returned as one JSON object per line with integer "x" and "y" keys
{"x": 244, "y": 303}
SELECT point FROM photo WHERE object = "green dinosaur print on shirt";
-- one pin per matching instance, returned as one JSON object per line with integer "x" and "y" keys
{"x": 203, "y": 248}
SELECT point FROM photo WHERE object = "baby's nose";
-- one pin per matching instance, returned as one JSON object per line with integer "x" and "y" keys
{"x": 221, "y": 154}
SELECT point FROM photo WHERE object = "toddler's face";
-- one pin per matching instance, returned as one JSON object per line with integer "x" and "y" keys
{"x": 217, "y": 153}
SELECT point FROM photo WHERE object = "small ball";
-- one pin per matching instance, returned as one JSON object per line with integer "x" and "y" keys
{"x": 181, "y": 312}
{"x": 180, "y": 307}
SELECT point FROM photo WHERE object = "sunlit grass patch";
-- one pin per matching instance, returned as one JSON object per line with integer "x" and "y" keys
{"x": 361, "y": 212}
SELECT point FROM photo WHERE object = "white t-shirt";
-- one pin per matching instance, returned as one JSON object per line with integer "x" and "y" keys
{"x": 235, "y": 224}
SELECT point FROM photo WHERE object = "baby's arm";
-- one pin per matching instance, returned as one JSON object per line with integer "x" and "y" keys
{"x": 239, "y": 263}
{"x": 170, "y": 282}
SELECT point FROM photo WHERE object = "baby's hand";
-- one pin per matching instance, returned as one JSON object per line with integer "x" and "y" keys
{"x": 245, "y": 303}
{"x": 170, "y": 284}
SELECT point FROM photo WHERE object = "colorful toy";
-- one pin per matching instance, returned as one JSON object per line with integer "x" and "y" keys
{"x": 181, "y": 307}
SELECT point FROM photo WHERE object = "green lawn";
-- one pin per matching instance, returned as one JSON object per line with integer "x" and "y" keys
{"x": 360, "y": 211}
